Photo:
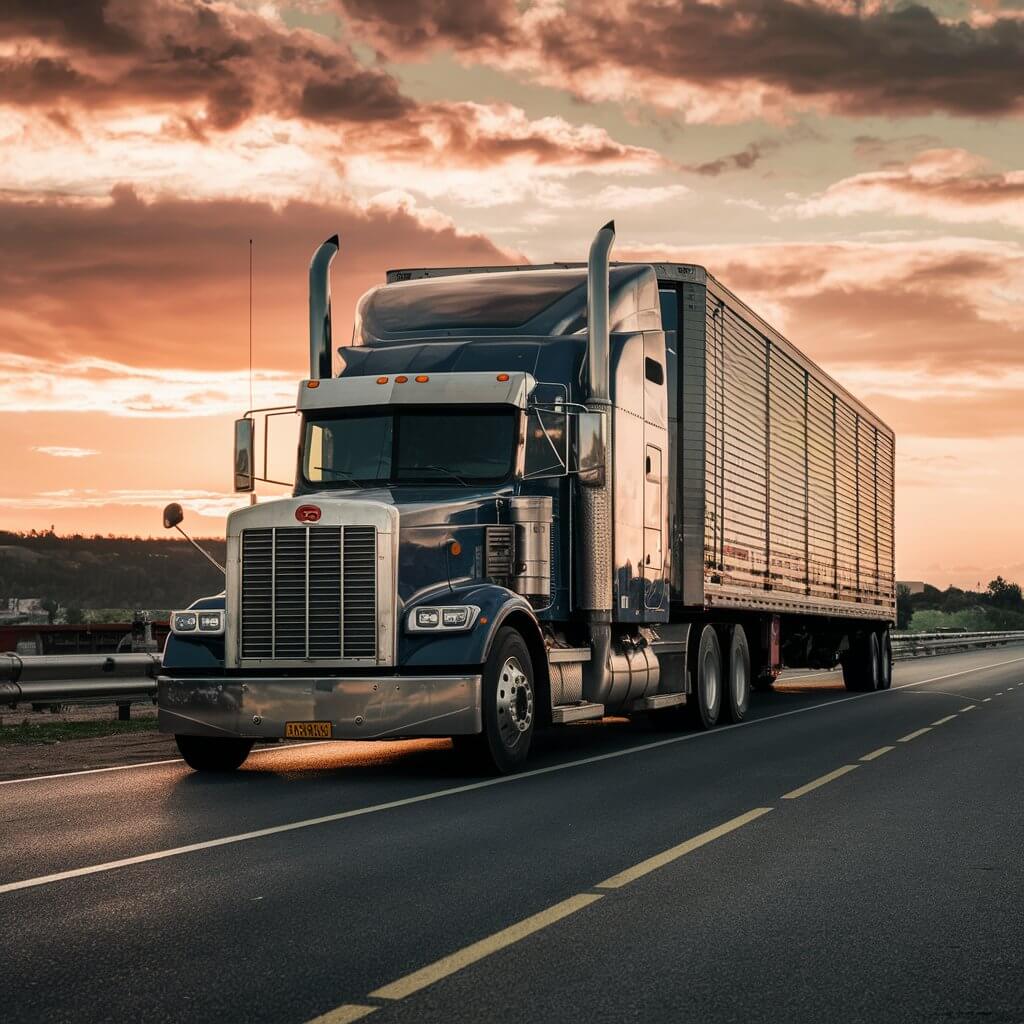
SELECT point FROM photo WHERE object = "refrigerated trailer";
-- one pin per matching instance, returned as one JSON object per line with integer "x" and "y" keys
{"x": 530, "y": 496}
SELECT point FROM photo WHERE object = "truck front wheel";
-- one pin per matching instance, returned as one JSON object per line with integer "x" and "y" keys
{"x": 213, "y": 753}
{"x": 509, "y": 707}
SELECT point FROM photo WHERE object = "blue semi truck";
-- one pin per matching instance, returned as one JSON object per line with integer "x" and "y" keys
{"x": 529, "y": 496}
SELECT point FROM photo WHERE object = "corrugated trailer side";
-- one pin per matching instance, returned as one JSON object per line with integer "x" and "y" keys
{"x": 786, "y": 481}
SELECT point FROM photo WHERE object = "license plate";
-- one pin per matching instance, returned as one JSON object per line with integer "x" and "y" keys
{"x": 308, "y": 730}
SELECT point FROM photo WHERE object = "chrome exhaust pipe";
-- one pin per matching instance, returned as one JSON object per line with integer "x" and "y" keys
{"x": 320, "y": 355}
{"x": 596, "y": 502}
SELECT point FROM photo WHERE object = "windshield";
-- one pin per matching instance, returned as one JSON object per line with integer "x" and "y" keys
{"x": 391, "y": 446}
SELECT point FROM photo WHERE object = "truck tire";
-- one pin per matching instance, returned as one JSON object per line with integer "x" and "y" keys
{"x": 213, "y": 753}
{"x": 706, "y": 700}
{"x": 885, "y": 665}
{"x": 509, "y": 708}
{"x": 862, "y": 663}
{"x": 736, "y": 691}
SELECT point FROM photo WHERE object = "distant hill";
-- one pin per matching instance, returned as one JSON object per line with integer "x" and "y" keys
{"x": 106, "y": 572}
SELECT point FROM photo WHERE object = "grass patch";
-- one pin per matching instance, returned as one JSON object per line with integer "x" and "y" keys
{"x": 58, "y": 732}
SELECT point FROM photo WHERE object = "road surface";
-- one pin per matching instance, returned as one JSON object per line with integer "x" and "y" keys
{"x": 837, "y": 858}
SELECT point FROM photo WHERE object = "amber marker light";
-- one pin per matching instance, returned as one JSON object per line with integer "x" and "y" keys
{"x": 455, "y": 547}
{"x": 312, "y": 383}
{"x": 382, "y": 380}
{"x": 401, "y": 379}
{"x": 502, "y": 377}
{"x": 483, "y": 620}
{"x": 422, "y": 379}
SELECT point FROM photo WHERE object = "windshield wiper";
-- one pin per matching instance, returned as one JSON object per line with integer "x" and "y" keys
{"x": 445, "y": 469}
{"x": 344, "y": 473}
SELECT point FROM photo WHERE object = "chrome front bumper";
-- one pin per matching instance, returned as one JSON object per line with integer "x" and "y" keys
{"x": 358, "y": 709}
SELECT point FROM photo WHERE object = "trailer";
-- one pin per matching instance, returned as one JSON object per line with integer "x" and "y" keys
{"x": 529, "y": 496}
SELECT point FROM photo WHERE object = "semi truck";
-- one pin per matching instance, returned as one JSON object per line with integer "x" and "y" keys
{"x": 528, "y": 496}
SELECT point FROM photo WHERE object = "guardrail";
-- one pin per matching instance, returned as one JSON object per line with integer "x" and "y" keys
{"x": 124, "y": 679}
{"x": 916, "y": 645}
{"x": 41, "y": 679}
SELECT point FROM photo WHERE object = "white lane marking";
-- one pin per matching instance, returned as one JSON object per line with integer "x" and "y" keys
{"x": 985, "y": 700}
{"x": 356, "y": 812}
{"x": 970, "y": 707}
{"x": 150, "y": 764}
{"x": 943, "y": 721}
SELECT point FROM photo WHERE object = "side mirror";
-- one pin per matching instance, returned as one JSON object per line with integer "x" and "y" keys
{"x": 591, "y": 446}
{"x": 245, "y": 446}
{"x": 172, "y": 515}
{"x": 547, "y": 442}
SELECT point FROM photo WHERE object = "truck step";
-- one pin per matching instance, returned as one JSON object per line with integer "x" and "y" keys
{"x": 561, "y": 655}
{"x": 562, "y": 713}
{"x": 657, "y": 700}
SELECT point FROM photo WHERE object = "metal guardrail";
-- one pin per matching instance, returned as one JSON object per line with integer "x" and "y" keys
{"x": 124, "y": 679}
{"x": 40, "y": 679}
{"x": 916, "y": 645}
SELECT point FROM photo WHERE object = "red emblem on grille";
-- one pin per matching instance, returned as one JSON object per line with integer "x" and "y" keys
{"x": 307, "y": 514}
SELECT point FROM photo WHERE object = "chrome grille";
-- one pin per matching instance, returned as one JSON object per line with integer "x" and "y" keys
{"x": 360, "y": 594}
{"x": 309, "y": 593}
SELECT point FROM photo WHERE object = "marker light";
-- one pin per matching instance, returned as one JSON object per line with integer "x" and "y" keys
{"x": 455, "y": 548}
{"x": 502, "y": 377}
{"x": 422, "y": 379}
{"x": 382, "y": 380}
{"x": 401, "y": 379}
{"x": 312, "y": 383}
{"x": 446, "y": 619}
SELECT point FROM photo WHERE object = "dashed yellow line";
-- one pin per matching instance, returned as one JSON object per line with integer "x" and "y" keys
{"x": 455, "y": 962}
{"x": 824, "y": 780}
{"x": 913, "y": 735}
{"x": 877, "y": 753}
{"x": 660, "y": 860}
{"x": 344, "y": 1014}
{"x": 943, "y": 721}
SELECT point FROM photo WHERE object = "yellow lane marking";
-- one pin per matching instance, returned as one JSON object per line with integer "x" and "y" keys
{"x": 913, "y": 735}
{"x": 344, "y": 1014}
{"x": 824, "y": 780}
{"x": 877, "y": 753}
{"x": 943, "y": 721}
{"x": 970, "y": 707}
{"x": 485, "y": 947}
{"x": 659, "y": 860}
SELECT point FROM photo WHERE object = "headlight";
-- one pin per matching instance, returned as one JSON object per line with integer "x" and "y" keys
{"x": 446, "y": 619}
{"x": 210, "y": 623}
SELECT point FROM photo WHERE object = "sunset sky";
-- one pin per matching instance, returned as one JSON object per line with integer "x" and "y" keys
{"x": 854, "y": 170}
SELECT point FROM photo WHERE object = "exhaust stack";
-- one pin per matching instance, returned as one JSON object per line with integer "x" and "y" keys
{"x": 320, "y": 355}
{"x": 596, "y": 594}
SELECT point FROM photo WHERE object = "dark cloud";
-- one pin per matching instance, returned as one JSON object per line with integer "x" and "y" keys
{"x": 173, "y": 53}
{"x": 165, "y": 283}
{"x": 740, "y": 161}
{"x": 901, "y": 60}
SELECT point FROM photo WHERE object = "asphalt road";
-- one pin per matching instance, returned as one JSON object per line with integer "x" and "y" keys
{"x": 837, "y": 858}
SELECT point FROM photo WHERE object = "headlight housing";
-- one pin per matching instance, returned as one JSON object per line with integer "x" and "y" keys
{"x": 199, "y": 622}
{"x": 448, "y": 618}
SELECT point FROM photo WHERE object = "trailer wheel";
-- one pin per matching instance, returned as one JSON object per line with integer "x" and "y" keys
{"x": 707, "y": 681}
{"x": 213, "y": 753}
{"x": 736, "y": 695}
{"x": 509, "y": 708}
{"x": 885, "y": 664}
{"x": 862, "y": 664}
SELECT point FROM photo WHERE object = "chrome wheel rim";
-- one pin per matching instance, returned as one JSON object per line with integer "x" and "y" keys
{"x": 739, "y": 683}
{"x": 515, "y": 702}
{"x": 710, "y": 681}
